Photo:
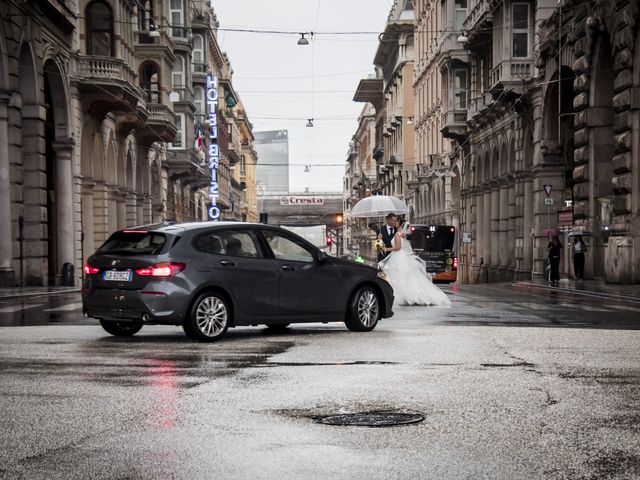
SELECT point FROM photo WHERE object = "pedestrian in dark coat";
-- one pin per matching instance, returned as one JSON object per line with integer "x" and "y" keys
{"x": 555, "y": 250}
{"x": 579, "y": 249}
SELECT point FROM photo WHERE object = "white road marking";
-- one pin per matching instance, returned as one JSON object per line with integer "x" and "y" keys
{"x": 17, "y": 308}
{"x": 65, "y": 308}
{"x": 535, "y": 306}
{"x": 624, "y": 307}
{"x": 587, "y": 308}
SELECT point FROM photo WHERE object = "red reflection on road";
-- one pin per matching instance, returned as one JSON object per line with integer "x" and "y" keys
{"x": 164, "y": 382}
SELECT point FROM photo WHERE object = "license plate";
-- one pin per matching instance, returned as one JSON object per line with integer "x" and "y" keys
{"x": 117, "y": 275}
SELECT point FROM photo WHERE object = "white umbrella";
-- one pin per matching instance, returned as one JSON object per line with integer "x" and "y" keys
{"x": 378, "y": 206}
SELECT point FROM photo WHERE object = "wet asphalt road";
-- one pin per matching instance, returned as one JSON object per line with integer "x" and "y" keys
{"x": 515, "y": 382}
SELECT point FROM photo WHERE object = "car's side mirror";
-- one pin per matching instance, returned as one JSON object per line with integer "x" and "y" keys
{"x": 321, "y": 257}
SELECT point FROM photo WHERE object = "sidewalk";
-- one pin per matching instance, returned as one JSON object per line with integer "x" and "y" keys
{"x": 591, "y": 286}
{"x": 29, "y": 292}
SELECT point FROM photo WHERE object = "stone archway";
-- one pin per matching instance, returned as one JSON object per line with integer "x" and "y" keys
{"x": 59, "y": 172}
{"x": 601, "y": 136}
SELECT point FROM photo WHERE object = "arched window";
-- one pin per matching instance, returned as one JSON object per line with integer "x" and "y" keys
{"x": 177, "y": 72}
{"x": 198, "y": 53}
{"x": 150, "y": 81}
{"x": 99, "y": 25}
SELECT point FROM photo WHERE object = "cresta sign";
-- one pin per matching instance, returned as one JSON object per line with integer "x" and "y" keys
{"x": 294, "y": 200}
{"x": 213, "y": 152}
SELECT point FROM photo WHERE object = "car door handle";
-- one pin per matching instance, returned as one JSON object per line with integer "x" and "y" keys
{"x": 227, "y": 263}
{"x": 288, "y": 268}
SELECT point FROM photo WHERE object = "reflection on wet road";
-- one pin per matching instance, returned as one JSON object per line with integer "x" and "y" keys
{"x": 513, "y": 382}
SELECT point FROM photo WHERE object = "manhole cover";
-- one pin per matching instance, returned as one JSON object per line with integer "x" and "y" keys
{"x": 372, "y": 419}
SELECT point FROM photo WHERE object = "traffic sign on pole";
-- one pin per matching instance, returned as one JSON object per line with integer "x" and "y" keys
{"x": 547, "y": 189}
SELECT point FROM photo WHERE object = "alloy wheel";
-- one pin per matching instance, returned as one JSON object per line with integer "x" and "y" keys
{"x": 368, "y": 308}
{"x": 211, "y": 316}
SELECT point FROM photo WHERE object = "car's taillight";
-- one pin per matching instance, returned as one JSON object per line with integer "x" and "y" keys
{"x": 164, "y": 269}
{"x": 455, "y": 263}
{"x": 89, "y": 270}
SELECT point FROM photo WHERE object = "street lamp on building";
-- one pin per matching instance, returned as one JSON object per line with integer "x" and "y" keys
{"x": 302, "y": 40}
{"x": 462, "y": 38}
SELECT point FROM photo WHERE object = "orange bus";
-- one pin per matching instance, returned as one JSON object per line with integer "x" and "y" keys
{"x": 436, "y": 245}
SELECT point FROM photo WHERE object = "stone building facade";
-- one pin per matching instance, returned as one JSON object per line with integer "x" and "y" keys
{"x": 598, "y": 45}
{"x": 98, "y": 108}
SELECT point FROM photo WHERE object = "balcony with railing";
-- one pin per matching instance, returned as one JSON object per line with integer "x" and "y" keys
{"x": 109, "y": 82}
{"x": 454, "y": 124}
{"x": 160, "y": 125}
{"x": 479, "y": 18}
{"x": 511, "y": 75}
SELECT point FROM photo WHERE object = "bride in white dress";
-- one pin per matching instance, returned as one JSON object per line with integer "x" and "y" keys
{"x": 407, "y": 274}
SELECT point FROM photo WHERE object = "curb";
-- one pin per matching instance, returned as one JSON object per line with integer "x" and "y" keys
{"x": 14, "y": 296}
{"x": 590, "y": 293}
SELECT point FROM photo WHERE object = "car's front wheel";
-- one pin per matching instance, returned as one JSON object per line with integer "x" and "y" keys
{"x": 364, "y": 310}
{"x": 121, "y": 329}
{"x": 209, "y": 318}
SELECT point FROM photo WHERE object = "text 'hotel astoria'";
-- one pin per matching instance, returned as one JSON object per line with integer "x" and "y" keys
{"x": 476, "y": 105}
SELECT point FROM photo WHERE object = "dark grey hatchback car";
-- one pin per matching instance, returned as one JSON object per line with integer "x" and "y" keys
{"x": 208, "y": 277}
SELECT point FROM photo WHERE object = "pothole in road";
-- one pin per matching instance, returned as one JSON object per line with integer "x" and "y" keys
{"x": 371, "y": 419}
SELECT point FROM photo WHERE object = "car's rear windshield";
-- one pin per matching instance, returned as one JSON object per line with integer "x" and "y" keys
{"x": 134, "y": 243}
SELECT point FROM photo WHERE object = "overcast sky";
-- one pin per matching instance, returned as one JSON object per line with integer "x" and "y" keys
{"x": 282, "y": 84}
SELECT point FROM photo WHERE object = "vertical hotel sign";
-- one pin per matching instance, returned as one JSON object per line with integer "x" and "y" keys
{"x": 213, "y": 152}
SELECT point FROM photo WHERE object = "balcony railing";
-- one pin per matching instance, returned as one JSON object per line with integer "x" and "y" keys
{"x": 454, "y": 117}
{"x": 479, "y": 13}
{"x": 199, "y": 67}
{"x": 184, "y": 94}
{"x": 160, "y": 113}
{"x": 105, "y": 68}
{"x": 510, "y": 71}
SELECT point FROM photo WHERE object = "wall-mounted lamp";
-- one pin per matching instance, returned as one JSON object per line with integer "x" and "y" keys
{"x": 153, "y": 30}
{"x": 410, "y": 121}
{"x": 462, "y": 38}
{"x": 310, "y": 122}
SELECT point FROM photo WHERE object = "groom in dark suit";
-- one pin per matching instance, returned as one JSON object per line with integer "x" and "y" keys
{"x": 387, "y": 233}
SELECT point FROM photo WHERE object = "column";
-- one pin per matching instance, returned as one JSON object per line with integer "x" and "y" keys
{"x": 6, "y": 243}
{"x": 121, "y": 209}
{"x": 64, "y": 200}
{"x": 479, "y": 240}
{"x": 511, "y": 228}
{"x": 527, "y": 238}
{"x": 132, "y": 209}
{"x": 503, "y": 230}
{"x": 486, "y": 228}
{"x": 88, "y": 237}
{"x": 140, "y": 218}
{"x": 494, "y": 236}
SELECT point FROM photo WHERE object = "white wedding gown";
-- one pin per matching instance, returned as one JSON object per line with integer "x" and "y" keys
{"x": 410, "y": 281}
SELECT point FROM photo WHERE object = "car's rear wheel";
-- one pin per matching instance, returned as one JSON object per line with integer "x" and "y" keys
{"x": 364, "y": 310}
{"x": 209, "y": 318}
{"x": 121, "y": 329}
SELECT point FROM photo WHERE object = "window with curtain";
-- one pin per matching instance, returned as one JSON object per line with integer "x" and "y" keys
{"x": 520, "y": 30}
{"x": 99, "y": 26}
{"x": 177, "y": 72}
{"x": 460, "y": 89}
{"x": 198, "y": 52}
{"x": 176, "y": 13}
{"x": 461, "y": 14}
{"x": 150, "y": 81}
{"x": 199, "y": 102}
{"x": 179, "y": 141}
